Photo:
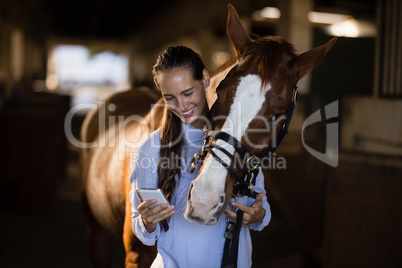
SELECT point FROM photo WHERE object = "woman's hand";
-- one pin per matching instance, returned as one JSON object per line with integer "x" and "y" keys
{"x": 151, "y": 216}
{"x": 252, "y": 214}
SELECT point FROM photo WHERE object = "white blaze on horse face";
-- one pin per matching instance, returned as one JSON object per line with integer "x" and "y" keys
{"x": 209, "y": 186}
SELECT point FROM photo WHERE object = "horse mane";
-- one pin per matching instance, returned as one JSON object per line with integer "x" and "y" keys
{"x": 257, "y": 51}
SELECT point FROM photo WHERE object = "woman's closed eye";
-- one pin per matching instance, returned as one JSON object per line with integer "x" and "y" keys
{"x": 188, "y": 93}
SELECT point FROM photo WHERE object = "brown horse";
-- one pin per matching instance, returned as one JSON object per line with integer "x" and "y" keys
{"x": 259, "y": 87}
{"x": 264, "y": 72}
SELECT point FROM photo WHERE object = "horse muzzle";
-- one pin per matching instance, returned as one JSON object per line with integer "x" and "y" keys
{"x": 205, "y": 211}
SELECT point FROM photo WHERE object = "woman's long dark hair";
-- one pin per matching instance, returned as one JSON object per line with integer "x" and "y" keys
{"x": 169, "y": 164}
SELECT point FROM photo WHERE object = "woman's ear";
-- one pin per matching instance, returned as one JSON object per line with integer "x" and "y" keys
{"x": 205, "y": 78}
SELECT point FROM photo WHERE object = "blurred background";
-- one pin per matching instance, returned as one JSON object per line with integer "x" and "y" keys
{"x": 55, "y": 55}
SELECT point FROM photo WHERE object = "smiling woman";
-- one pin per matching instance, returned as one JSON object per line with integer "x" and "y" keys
{"x": 183, "y": 84}
{"x": 184, "y": 96}
{"x": 180, "y": 75}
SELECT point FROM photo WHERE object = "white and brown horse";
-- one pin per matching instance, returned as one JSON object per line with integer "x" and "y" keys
{"x": 257, "y": 84}
{"x": 259, "y": 87}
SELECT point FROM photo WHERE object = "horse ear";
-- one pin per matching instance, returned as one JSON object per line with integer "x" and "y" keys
{"x": 236, "y": 31}
{"x": 306, "y": 61}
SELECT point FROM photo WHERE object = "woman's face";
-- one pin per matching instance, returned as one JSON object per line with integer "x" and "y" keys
{"x": 184, "y": 96}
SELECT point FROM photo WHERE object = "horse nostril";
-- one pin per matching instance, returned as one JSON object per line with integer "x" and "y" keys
{"x": 189, "y": 193}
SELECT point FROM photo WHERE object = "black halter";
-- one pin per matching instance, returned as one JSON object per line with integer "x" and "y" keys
{"x": 250, "y": 168}
{"x": 243, "y": 186}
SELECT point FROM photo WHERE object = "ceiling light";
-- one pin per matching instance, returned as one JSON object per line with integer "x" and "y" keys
{"x": 267, "y": 13}
{"x": 347, "y": 28}
{"x": 326, "y": 18}
{"x": 270, "y": 13}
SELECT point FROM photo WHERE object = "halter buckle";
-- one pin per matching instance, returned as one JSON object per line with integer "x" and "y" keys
{"x": 196, "y": 158}
{"x": 192, "y": 168}
{"x": 295, "y": 95}
{"x": 251, "y": 187}
{"x": 252, "y": 162}
{"x": 236, "y": 194}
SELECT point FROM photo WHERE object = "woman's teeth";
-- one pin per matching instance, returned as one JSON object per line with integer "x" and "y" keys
{"x": 189, "y": 112}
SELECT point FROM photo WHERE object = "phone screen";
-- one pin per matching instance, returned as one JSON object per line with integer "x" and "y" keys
{"x": 148, "y": 194}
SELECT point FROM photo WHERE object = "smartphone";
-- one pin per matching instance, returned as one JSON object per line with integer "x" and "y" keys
{"x": 147, "y": 194}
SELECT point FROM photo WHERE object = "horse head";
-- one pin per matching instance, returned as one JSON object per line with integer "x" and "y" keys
{"x": 259, "y": 87}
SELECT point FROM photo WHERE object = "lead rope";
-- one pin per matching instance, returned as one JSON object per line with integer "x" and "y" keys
{"x": 230, "y": 253}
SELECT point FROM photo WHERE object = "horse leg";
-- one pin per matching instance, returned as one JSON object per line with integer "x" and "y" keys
{"x": 138, "y": 255}
{"x": 99, "y": 244}
{"x": 99, "y": 241}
